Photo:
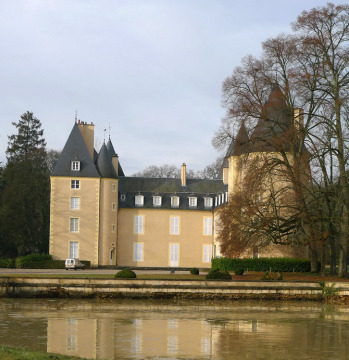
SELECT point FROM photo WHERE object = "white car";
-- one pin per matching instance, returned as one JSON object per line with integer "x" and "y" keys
{"x": 74, "y": 264}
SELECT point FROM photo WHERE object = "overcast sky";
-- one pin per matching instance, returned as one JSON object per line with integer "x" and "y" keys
{"x": 151, "y": 69}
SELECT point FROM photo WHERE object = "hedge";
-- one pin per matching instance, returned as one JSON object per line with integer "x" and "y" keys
{"x": 262, "y": 264}
{"x": 7, "y": 263}
{"x": 36, "y": 261}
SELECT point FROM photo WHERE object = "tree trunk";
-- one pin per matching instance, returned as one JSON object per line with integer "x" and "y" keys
{"x": 313, "y": 258}
{"x": 333, "y": 256}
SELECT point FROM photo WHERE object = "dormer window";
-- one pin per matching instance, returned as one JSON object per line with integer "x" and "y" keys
{"x": 193, "y": 201}
{"x": 139, "y": 200}
{"x": 157, "y": 200}
{"x": 75, "y": 165}
{"x": 175, "y": 201}
{"x": 208, "y": 202}
{"x": 123, "y": 197}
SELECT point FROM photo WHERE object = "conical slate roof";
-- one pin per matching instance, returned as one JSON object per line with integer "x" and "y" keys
{"x": 238, "y": 146}
{"x": 104, "y": 163}
{"x": 75, "y": 149}
{"x": 112, "y": 153}
{"x": 275, "y": 121}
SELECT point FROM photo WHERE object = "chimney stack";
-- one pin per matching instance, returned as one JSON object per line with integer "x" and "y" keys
{"x": 184, "y": 175}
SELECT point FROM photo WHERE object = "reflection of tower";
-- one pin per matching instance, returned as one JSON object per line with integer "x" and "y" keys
{"x": 72, "y": 336}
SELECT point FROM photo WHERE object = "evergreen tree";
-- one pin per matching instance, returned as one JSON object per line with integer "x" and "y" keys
{"x": 25, "y": 202}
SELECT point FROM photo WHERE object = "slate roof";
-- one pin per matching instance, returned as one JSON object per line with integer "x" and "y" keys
{"x": 75, "y": 149}
{"x": 274, "y": 125}
{"x": 112, "y": 153}
{"x": 148, "y": 187}
{"x": 104, "y": 164}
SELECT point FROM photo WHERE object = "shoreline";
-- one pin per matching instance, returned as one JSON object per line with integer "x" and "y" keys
{"x": 56, "y": 287}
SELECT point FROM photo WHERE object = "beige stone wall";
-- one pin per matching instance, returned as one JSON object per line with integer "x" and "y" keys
{"x": 157, "y": 240}
{"x": 108, "y": 222}
{"x": 88, "y": 215}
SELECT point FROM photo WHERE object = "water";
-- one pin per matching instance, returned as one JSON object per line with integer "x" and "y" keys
{"x": 144, "y": 329}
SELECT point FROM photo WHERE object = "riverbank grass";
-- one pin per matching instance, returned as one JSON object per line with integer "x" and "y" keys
{"x": 11, "y": 353}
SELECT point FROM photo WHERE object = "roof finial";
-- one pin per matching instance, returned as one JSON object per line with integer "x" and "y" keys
{"x": 76, "y": 116}
{"x": 109, "y": 130}
{"x": 104, "y": 135}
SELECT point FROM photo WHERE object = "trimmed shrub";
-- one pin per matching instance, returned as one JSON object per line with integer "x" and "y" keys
{"x": 7, "y": 263}
{"x": 268, "y": 276}
{"x": 239, "y": 271}
{"x": 262, "y": 264}
{"x": 32, "y": 261}
{"x": 125, "y": 274}
{"x": 218, "y": 275}
{"x": 194, "y": 271}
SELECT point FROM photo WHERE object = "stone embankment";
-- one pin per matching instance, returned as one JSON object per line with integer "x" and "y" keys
{"x": 92, "y": 288}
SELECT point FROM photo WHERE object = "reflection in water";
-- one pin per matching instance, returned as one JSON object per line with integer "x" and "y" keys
{"x": 119, "y": 329}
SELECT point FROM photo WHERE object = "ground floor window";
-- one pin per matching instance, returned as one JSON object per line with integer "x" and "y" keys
{"x": 137, "y": 252}
{"x": 207, "y": 253}
{"x": 174, "y": 255}
{"x": 74, "y": 249}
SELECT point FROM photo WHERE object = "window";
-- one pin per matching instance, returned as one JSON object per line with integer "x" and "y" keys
{"x": 75, "y": 165}
{"x": 114, "y": 188}
{"x": 139, "y": 200}
{"x": 113, "y": 206}
{"x": 218, "y": 226}
{"x": 174, "y": 230}
{"x": 138, "y": 224}
{"x": 113, "y": 228}
{"x": 74, "y": 203}
{"x": 157, "y": 200}
{"x": 192, "y": 201}
{"x": 123, "y": 197}
{"x": 74, "y": 225}
{"x": 75, "y": 184}
{"x": 137, "y": 252}
{"x": 207, "y": 226}
{"x": 207, "y": 253}
{"x": 174, "y": 201}
{"x": 208, "y": 202}
{"x": 74, "y": 249}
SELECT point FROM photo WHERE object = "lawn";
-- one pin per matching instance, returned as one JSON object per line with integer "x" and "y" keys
{"x": 10, "y": 353}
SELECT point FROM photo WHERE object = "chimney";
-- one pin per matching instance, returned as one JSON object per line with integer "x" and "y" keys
{"x": 87, "y": 132}
{"x": 298, "y": 116}
{"x": 184, "y": 175}
{"x": 115, "y": 161}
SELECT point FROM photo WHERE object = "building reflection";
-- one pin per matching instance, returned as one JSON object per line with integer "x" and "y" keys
{"x": 143, "y": 329}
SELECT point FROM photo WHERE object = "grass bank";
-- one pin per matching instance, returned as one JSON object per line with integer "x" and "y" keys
{"x": 11, "y": 353}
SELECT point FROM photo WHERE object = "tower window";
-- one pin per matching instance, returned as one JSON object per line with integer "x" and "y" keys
{"x": 75, "y": 165}
{"x": 75, "y": 184}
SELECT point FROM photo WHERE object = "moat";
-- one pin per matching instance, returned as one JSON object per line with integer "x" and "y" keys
{"x": 157, "y": 329}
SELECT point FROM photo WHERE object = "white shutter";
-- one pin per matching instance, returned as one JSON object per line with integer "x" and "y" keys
{"x": 174, "y": 225}
{"x": 138, "y": 252}
{"x": 174, "y": 255}
{"x": 207, "y": 253}
{"x": 138, "y": 224}
{"x": 207, "y": 226}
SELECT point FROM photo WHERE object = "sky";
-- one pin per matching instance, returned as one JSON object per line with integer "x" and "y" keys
{"x": 151, "y": 71}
